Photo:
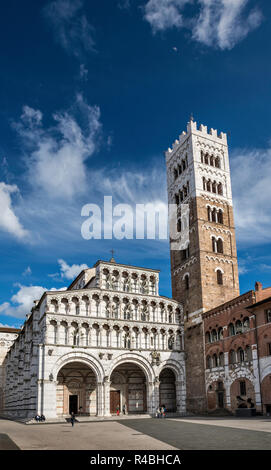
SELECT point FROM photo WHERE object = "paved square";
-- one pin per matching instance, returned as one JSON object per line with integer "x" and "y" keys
{"x": 141, "y": 434}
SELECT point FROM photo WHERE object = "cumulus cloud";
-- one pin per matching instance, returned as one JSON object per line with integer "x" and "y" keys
{"x": 71, "y": 26}
{"x": 9, "y": 221}
{"x": 164, "y": 14}
{"x": 56, "y": 155}
{"x": 222, "y": 23}
{"x": 22, "y": 302}
{"x": 251, "y": 176}
{"x": 216, "y": 23}
{"x": 70, "y": 272}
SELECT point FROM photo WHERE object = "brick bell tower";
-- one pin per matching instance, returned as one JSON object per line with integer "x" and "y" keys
{"x": 205, "y": 274}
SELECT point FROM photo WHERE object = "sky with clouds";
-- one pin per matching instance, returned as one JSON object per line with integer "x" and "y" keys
{"x": 92, "y": 93}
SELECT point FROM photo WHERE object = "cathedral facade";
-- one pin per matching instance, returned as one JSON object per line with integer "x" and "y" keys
{"x": 107, "y": 343}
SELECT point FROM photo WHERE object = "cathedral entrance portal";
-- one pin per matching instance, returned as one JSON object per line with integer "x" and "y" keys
{"x": 128, "y": 389}
{"x": 76, "y": 390}
{"x": 167, "y": 390}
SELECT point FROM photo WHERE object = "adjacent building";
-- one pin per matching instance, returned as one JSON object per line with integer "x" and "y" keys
{"x": 238, "y": 352}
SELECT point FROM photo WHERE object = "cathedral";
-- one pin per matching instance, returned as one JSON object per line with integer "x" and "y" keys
{"x": 110, "y": 343}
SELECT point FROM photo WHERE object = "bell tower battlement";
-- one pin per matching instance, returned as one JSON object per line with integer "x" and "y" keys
{"x": 198, "y": 174}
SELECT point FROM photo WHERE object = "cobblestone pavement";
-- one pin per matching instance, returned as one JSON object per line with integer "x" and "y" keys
{"x": 141, "y": 434}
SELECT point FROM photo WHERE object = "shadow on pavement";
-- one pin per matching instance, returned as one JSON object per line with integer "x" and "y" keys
{"x": 192, "y": 436}
{"x": 7, "y": 444}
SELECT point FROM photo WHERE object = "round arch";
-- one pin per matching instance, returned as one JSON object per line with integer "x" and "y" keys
{"x": 241, "y": 389}
{"x": 137, "y": 360}
{"x": 83, "y": 358}
{"x": 175, "y": 367}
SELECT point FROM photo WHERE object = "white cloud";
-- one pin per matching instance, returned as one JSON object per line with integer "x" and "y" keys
{"x": 164, "y": 14}
{"x": 22, "y": 302}
{"x": 222, "y": 23}
{"x": 57, "y": 155}
{"x": 70, "y": 272}
{"x": 71, "y": 26}
{"x": 9, "y": 222}
{"x": 216, "y": 23}
{"x": 251, "y": 176}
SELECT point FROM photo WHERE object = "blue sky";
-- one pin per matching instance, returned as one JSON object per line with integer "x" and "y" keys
{"x": 92, "y": 93}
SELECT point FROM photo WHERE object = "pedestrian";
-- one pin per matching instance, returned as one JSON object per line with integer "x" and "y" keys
{"x": 124, "y": 409}
{"x": 42, "y": 418}
{"x": 37, "y": 418}
{"x": 157, "y": 414}
{"x": 118, "y": 410}
{"x": 163, "y": 411}
{"x": 72, "y": 418}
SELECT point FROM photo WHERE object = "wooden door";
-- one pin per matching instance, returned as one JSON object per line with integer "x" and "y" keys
{"x": 114, "y": 400}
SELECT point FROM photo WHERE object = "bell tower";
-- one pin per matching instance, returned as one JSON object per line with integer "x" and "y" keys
{"x": 205, "y": 274}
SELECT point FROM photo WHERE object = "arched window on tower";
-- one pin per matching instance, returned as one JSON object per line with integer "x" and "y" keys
{"x": 186, "y": 281}
{"x": 217, "y": 162}
{"x": 204, "y": 184}
{"x": 206, "y": 159}
{"x": 212, "y": 161}
{"x": 214, "y": 186}
{"x": 214, "y": 215}
{"x": 209, "y": 213}
{"x": 175, "y": 173}
{"x": 177, "y": 200}
{"x": 219, "y": 277}
{"x": 220, "y": 217}
{"x": 208, "y": 186}
{"x": 220, "y": 189}
{"x": 219, "y": 246}
{"x": 214, "y": 245}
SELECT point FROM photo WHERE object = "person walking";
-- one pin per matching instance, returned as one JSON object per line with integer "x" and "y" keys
{"x": 124, "y": 409}
{"x": 157, "y": 414}
{"x": 118, "y": 410}
{"x": 72, "y": 418}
